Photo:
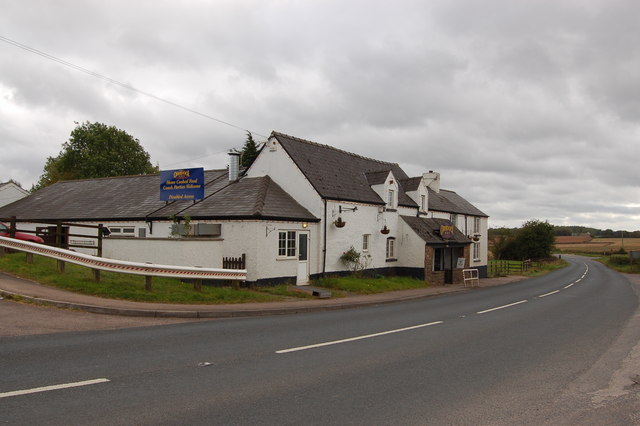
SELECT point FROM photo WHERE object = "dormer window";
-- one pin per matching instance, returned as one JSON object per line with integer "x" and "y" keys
{"x": 423, "y": 203}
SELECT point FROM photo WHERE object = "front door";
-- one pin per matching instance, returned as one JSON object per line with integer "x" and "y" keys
{"x": 449, "y": 264}
{"x": 303, "y": 258}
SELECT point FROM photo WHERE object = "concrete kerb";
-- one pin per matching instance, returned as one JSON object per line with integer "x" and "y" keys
{"x": 235, "y": 311}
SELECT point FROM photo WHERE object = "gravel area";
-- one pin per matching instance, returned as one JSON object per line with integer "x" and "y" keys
{"x": 21, "y": 319}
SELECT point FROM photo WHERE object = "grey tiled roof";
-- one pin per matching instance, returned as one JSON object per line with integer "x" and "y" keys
{"x": 248, "y": 198}
{"x": 449, "y": 201}
{"x": 377, "y": 178}
{"x": 429, "y": 230}
{"x": 411, "y": 184}
{"x": 340, "y": 175}
{"x": 125, "y": 197}
{"x": 138, "y": 197}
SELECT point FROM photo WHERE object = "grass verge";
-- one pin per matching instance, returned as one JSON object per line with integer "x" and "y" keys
{"x": 131, "y": 287}
{"x": 620, "y": 263}
{"x": 357, "y": 285}
{"x": 543, "y": 268}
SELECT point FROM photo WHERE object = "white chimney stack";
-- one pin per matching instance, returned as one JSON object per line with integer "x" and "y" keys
{"x": 432, "y": 180}
{"x": 234, "y": 166}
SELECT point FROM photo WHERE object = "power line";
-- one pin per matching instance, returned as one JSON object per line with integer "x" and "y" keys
{"x": 119, "y": 83}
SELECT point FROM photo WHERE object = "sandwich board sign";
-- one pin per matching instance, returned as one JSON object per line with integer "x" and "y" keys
{"x": 182, "y": 184}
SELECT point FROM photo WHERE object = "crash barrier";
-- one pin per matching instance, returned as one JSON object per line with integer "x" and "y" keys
{"x": 148, "y": 270}
{"x": 471, "y": 276}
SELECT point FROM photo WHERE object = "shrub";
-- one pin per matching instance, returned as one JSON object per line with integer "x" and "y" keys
{"x": 355, "y": 261}
{"x": 619, "y": 260}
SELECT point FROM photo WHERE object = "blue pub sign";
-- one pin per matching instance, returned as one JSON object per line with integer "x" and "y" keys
{"x": 182, "y": 184}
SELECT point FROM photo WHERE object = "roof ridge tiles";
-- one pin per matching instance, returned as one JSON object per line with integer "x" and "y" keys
{"x": 333, "y": 148}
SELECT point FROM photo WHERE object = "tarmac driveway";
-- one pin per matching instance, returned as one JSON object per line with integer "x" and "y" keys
{"x": 21, "y": 319}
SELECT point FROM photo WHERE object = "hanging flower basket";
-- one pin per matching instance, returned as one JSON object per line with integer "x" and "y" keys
{"x": 339, "y": 223}
{"x": 385, "y": 230}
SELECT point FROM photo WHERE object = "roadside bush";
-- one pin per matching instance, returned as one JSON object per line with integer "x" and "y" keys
{"x": 619, "y": 260}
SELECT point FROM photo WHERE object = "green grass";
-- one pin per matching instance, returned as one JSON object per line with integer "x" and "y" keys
{"x": 542, "y": 268}
{"x": 131, "y": 287}
{"x": 536, "y": 268}
{"x": 370, "y": 285}
{"x": 620, "y": 264}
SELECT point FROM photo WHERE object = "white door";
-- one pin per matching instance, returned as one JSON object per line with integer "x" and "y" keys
{"x": 303, "y": 258}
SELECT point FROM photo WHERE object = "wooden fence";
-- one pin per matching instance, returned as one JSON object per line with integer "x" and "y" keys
{"x": 498, "y": 268}
{"x": 234, "y": 262}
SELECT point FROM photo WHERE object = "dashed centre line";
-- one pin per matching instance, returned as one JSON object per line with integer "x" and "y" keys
{"x": 550, "y": 293}
{"x": 352, "y": 339}
{"x": 502, "y": 307}
{"x": 52, "y": 387}
{"x": 399, "y": 330}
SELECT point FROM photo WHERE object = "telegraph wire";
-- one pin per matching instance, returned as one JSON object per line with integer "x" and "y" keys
{"x": 119, "y": 83}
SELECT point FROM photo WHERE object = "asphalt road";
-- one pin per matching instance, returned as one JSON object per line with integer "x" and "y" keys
{"x": 556, "y": 349}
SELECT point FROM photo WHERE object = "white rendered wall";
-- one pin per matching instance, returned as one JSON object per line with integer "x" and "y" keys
{"x": 410, "y": 247}
{"x": 282, "y": 170}
{"x": 11, "y": 192}
{"x": 165, "y": 251}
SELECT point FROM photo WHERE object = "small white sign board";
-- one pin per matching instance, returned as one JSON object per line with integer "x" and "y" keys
{"x": 460, "y": 264}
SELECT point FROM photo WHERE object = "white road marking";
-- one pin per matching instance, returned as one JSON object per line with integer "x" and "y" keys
{"x": 53, "y": 387}
{"x": 501, "y": 307}
{"x": 567, "y": 286}
{"x": 550, "y": 293}
{"x": 351, "y": 339}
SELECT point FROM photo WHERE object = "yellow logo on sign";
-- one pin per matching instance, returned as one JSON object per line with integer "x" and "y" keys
{"x": 446, "y": 231}
{"x": 181, "y": 174}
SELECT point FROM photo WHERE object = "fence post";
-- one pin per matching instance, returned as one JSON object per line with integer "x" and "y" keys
{"x": 29, "y": 258}
{"x": 197, "y": 285}
{"x": 59, "y": 245}
{"x": 12, "y": 227}
{"x": 96, "y": 275}
{"x": 100, "y": 231}
{"x": 147, "y": 282}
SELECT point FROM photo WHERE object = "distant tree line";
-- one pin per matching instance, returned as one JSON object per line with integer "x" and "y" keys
{"x": 559, "y": 231}
{"x": 594, "y": 232}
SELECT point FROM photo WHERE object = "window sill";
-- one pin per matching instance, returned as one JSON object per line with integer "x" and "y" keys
{"x": 391, "y": 260}
{"x": 286, "y": 258}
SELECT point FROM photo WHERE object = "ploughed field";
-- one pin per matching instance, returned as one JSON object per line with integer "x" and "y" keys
{"x": 600, "y": 246}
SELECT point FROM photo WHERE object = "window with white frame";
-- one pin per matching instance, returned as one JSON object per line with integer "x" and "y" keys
{"x": 365, "y": 242}
{"x": 391, "y": 248}
{"x": 423, "y": 203}
{"x": 476, "y": 251}
{"x": 391, "y": 198}
{"x": 122, "y": 231}
{"x": 476, "y": 225}
{"x": 454, "y": 219}
{"x": 287, "y": 244}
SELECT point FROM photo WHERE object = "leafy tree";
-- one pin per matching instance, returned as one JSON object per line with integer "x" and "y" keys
{"x": 535, "y": 240}
{"x": 96, "y": 150}
{"x": 249, "y": 151}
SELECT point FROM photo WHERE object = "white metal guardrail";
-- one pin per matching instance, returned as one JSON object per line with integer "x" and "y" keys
{"x": 123, "y": 266}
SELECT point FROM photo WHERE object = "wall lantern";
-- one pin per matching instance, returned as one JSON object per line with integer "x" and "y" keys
{"x": 385, "y": 230}
{"x": 305, "y": 225}
{"x": 339, "y": 223}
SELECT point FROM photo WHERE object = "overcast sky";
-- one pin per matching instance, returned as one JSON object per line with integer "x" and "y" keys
{"x": 528, "y": 109}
